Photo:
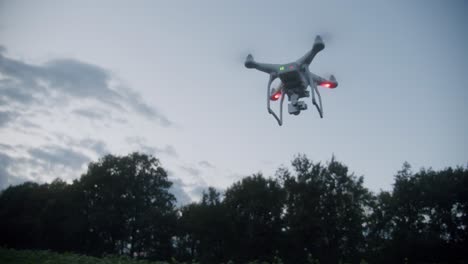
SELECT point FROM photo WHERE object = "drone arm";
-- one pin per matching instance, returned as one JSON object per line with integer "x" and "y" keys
{"x": 266, "y": 67}
{"x": 328, "y": 83}
{"x": 315, "y": 78}
{"x": 309, "y": 56}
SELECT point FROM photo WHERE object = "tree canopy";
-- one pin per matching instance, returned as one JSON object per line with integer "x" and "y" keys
{"x": 308, "y": 213}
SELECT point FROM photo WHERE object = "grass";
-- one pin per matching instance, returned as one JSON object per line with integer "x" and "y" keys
{"x": 12, "y": 256}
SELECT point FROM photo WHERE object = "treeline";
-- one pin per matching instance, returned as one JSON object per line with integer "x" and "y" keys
{"x": 313, "y": 213}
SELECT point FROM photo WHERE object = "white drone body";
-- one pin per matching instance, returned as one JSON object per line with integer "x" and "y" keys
{"x": 295, "y": 78}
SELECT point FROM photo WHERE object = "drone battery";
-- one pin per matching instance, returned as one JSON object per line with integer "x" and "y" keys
{"x": 291, "y": 78}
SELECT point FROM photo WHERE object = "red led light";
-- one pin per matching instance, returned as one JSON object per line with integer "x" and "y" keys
{"x": 328, "y": 84}
{"x": 276, "y": 96}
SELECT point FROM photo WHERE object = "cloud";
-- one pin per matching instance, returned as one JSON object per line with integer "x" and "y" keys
{"x": 56, "y": 155}
{"x": 6, "y": 117}
{"x": 177, "y": 189}
{"x": 78, "y": 79}
{"x": 62, "y": 80}
{"x": 206, "y": 164}
{"x": 6, "y": 147}
{"x": 5, "y": 175}
{"x": 6, "y": 178}
{"x": 97, "y": 146}
{"x": 90, "y": 113}
{"x": 137, "y": 103}
{"x": 12, "y": 92}
{"x": 197, "y": 191}
{"x": 29, "y": 124}
{"x": 168, "y": 150}
{"x": 38, "y": 101}
{"x": 19, "y": 163}
{"x": 189, "y": 192}
{"x": 142, "y": 144}
{"x": 191, "y": 170}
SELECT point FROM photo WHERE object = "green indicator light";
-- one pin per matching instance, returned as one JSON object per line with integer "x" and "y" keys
{"x": 281, "y": 68}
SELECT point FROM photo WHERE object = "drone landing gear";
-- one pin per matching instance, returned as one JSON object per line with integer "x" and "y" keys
{"x": 313, "y": 87}
{"x": 270, "y": 111}
{"x": 294, "y": 107}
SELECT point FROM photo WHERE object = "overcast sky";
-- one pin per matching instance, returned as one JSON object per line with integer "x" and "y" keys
{"x": 79, "y": 79}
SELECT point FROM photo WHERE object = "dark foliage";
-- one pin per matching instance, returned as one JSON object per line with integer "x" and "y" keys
{"x": 312, "y": 213}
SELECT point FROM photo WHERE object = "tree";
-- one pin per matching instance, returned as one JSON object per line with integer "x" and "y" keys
{"x": 128, "y": 206}
{"x": 254, "y": 206}
{"x": 325, "y": 212}
{"x": 42, "y": 216}
{"x": 423, "y": 219}
{"x": 202, "y": 229}
{"x": 428, "y": 213}
{"x": 62, "y": 219}
{"x": 315, "y": 213}
{"x": 379, "y": 229}
{"x": 20, "y": 215}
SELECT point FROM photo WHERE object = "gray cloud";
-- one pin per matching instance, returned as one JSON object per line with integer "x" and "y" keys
{"x": 198, "y": 191}
{"x": 6, "y": 178}
{"x": 168, "y": 150}
{"x": 190, "y": 170}
{"x": 44, "y": 162}
{"x": 6, "y": 147}
{"x": 194, "y": 191}
{"x": 143, "y": 147}
{"x": 97, "y": 146}
{"x": 90, "y": 113}
{"x": 206, "y": 164}
{"x": 12, "y": 92}
{"x": 29, "y": 124}
{"x": 137, "y": 103}
{"x": 6, "y": 117}
{"x": 177, "y": 190}
{"x": 58, "y": 155}
{"x": 78, "y": 79}
{"x": 27, "y": 84}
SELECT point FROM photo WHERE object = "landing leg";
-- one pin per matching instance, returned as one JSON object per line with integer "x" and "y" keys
{"x": 270, "y": 111}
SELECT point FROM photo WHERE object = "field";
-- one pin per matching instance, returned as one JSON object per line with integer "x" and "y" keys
{"x": 11, "y": 256}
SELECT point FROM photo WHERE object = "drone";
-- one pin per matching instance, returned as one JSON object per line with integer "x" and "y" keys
{"x": 295, "y": 78}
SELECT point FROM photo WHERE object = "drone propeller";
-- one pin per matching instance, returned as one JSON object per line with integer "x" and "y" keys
{"x": 327, "y": 36}
{"x": 249, "y": 61}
